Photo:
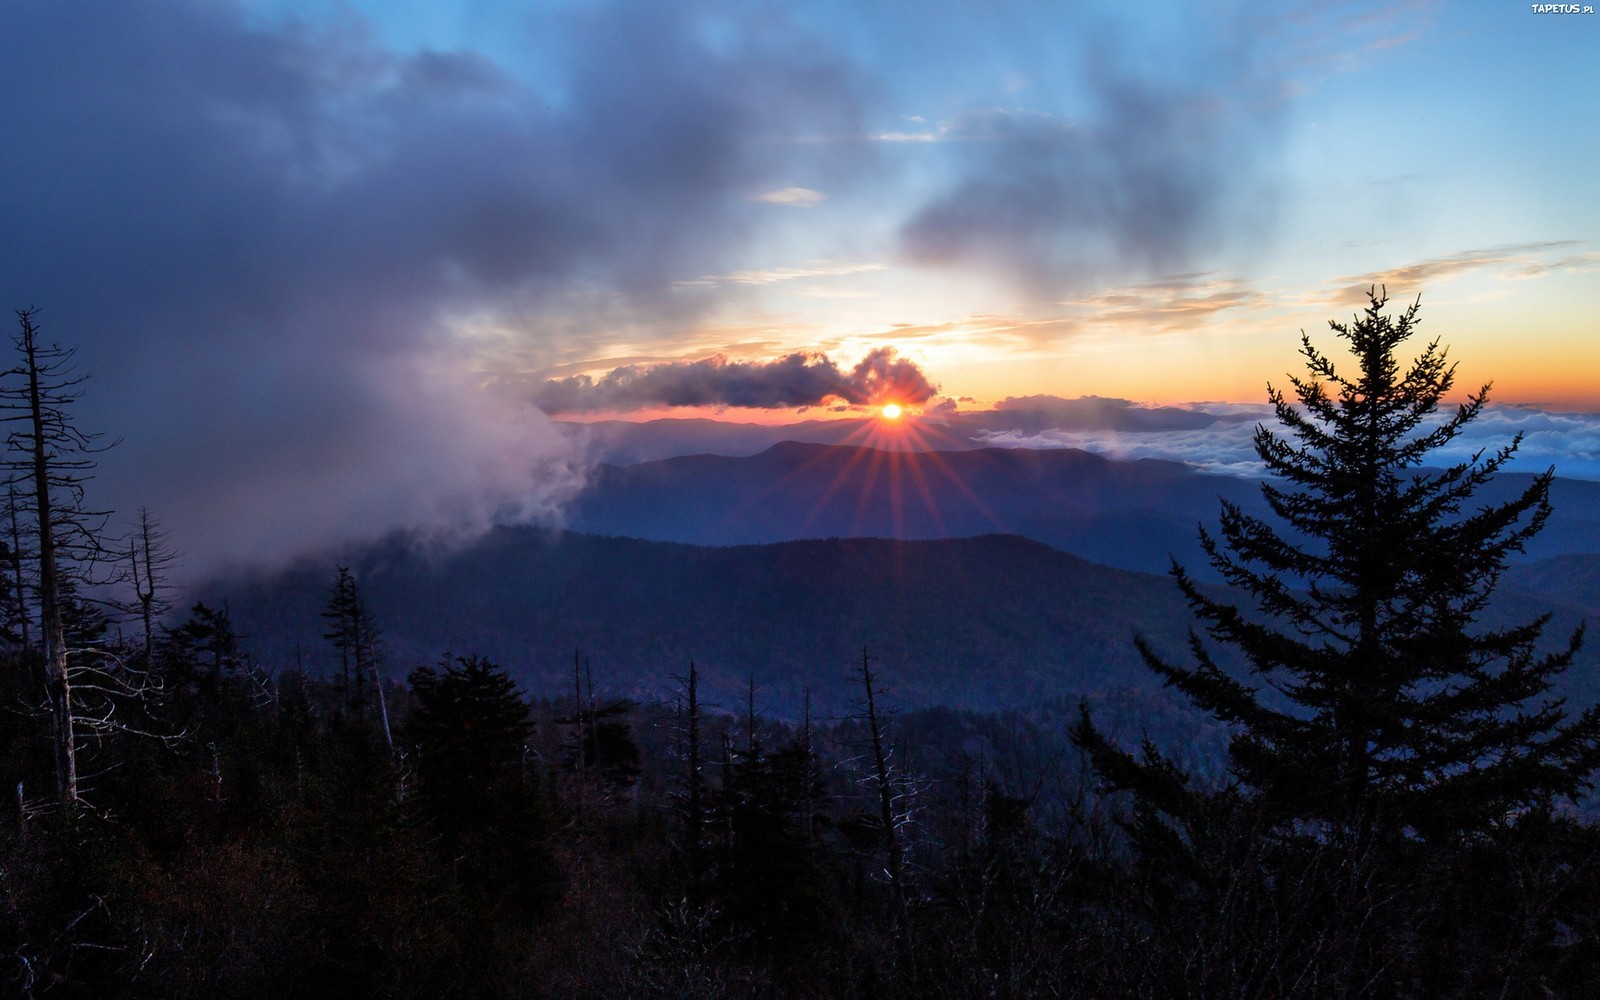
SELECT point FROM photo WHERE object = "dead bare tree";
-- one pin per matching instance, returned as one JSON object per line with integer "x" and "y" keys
{"x": 894, "y": 793}
{"x": 88, "y": 686}
{"x": 50, "y": 459}
{"x": 691, "y": 792}
{"x": 18, "y": 558}
{"x": 150, "y": 558}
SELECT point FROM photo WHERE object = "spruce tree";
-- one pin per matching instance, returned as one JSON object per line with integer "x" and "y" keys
{"x": 360, "y": 644}
{"x": 342, "y": 614}
{"x": 475, "y": 794}
{"x": 1376, "y": 700}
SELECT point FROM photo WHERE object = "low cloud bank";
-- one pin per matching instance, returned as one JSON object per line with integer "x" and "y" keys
{"x": 1224, "y": 443}
{"x": 1098, "y": 413}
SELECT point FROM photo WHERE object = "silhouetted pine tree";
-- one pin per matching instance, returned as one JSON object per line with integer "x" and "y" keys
{"x": 474, "y": 794}
{"x": 772, "y": 884}
{"x": 691, "y": 793}
{"x": 1377, "y": 702}
{"x": 210, "y": 644}
{"x": 360, "y": 644}
{"x": 343, "y": 615}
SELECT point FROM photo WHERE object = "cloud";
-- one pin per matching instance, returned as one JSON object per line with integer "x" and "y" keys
{"x": 1161, "y": 163}
{"x": 1578, "y": 263}
{"x": 980, "y": 125}
{"x": 797, "y": 197}
{"x": 774, "y": 275}
{"x": 905, "y": 137}
{"x": 1217, "y": 440}
{"x": 797, "y": 380}
{"x": 1568, "y": 441}
{"x": 1095, "y": 413}
{"x": 266, "y": 237}
{"x": 1518, "y": 260}
{"x": 1174, "y": 302}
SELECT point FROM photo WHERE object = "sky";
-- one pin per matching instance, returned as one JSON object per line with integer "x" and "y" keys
{"x": 335, "y": 267}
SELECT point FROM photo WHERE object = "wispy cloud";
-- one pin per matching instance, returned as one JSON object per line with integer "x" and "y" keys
{"x": 1513, "y": 260}
{"x": 1175, "y": 302}
{"x": 1394, "y": 41}
{"x": 1580, "y": 263}
{"x": 906, "y": 137}
{"x": 795, "y": 197}
{"x": 774, "y": 275}
{"x": 994, "y": 124}
{"x": 835, "y": 293}
{"x": 1317, "y": 41}
{"x": 1004, "y": 332}
{"x": 1155, "y": 165}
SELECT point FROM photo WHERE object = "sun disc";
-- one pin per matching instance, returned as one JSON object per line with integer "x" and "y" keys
{"x": 891, "y": 411}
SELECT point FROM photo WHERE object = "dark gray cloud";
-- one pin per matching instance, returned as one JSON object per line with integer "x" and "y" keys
{"x": 262, "y": 237}
{"x": 797, "y": 380}
{"x": 1161, "y": 163}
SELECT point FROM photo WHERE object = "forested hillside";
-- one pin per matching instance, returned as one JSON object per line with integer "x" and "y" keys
{"x": 988, "y": 623}
{"x": 982, "y": 623}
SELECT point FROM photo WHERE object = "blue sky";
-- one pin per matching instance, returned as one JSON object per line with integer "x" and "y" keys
{"x": 994, "y": 170}
{"x": 324, "y": 258}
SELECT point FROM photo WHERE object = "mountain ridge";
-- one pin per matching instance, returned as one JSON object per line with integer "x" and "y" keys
{"x": 1136, "y": 515}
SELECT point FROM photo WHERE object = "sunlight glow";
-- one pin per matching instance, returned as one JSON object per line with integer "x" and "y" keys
{"x": 891, "y": 411}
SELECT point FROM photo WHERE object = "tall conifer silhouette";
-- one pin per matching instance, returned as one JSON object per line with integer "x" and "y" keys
{"x": 1377, "y": 701}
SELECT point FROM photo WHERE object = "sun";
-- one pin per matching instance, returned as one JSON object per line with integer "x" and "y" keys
{"x": 891, "y": 411}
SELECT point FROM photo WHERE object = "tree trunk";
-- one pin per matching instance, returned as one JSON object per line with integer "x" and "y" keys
{"x": 893, "y": 846}
{"x": 18, "y": 578}
{"x": 58, "y": 683}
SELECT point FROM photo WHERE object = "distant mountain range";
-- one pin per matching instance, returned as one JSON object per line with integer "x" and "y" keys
{"x": 626, "y": 442}
{"x": 1132, "y": 515}
{"x": 984, "y": 579}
